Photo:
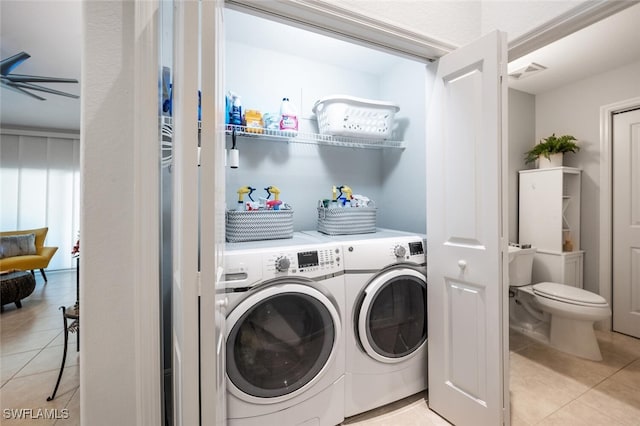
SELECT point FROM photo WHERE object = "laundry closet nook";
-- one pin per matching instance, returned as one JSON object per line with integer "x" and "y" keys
{"x": 325, "y": 192}
{"x": 324, "y": 323}
{"x": 266, "y": 61}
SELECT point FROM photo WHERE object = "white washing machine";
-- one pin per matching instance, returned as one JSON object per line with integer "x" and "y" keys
{"x": 386, "y": 337}
{"x": 285, "y": 351}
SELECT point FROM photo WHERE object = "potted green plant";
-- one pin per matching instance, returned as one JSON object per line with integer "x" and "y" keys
{"x": 551, "y": 149}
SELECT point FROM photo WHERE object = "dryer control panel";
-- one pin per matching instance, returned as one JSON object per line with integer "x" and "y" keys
{"x": 378, "y": 253}
{"x": 304, "y": 262}
{"x": 410, "y": 251}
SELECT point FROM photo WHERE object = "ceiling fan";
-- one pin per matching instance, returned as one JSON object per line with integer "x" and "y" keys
{"x": 20, "y": 82}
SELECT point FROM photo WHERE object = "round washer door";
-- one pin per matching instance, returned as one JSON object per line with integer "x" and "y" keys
{"x": 279, "y": 342}
{"x": 392, "y": 319}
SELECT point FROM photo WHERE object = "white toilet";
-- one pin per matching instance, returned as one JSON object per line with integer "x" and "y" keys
{"x": 555, "y": 314}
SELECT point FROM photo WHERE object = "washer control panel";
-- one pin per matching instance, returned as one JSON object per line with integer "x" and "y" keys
{"x": 385, "y": 251}
{"x": 405, "y": 251}
{"x": 409, "y": 251}
{"x": 325, "y": 260}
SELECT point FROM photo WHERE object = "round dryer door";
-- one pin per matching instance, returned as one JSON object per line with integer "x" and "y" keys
{"x": 392, "y": 319}
{"x": 279, "y": 339}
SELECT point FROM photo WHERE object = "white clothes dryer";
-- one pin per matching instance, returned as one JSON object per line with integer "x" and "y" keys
{"x": 386, "y": 299}
{"x": 285, "y": 333}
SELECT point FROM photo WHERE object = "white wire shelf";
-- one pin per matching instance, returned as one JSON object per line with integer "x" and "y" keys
{"x": 312, "y": 138}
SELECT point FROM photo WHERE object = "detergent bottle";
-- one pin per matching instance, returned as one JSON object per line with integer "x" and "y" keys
{"x": 234, "y": 109}
{"x": 288, "y": 117}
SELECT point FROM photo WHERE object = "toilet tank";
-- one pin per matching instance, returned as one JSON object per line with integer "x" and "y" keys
{"x": 520, "y": 265}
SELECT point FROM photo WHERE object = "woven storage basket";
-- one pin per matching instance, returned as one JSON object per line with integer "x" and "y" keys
{"x": 259, "y": 225}
{"x": 355, "y": 117}
{"x": 345, "y": 221}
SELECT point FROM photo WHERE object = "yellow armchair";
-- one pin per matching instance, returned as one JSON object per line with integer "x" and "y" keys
{"x": 39, "y": 260}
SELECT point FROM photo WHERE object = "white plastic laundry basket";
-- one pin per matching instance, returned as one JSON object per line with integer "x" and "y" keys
{"x": 348, "y": 116}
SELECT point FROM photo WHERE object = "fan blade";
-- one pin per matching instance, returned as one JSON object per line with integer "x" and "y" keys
{"x": 15, "y": 88}
{"x": 10, "y": 63}
{"x": 44, "y": 89}
{"x": 21, "y": 78}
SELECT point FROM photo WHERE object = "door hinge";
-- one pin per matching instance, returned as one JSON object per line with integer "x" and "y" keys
{"x": 199, "y": 283}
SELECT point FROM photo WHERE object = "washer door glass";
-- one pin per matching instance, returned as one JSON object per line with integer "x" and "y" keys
{"x": 393, "y": 315}
{"x": 280, "y": 343}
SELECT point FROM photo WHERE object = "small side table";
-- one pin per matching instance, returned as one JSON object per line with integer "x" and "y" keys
{"x": 70, "y": 313}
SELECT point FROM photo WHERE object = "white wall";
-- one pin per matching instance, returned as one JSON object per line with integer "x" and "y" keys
{"x": 521, "y": 138}
{"x": 457, "y": 22}
{"x": 305, "y": 173}
{"x": 119, "y": 285}
{"x": 575, "y": 109}
{"x": 404, "y": 197}
{"x": 107, "y": 375}
{"x": 461, "y": 22}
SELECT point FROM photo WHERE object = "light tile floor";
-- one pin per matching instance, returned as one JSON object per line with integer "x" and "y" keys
{"x": 547, "y": 387}
{"x": 31, "y": 349}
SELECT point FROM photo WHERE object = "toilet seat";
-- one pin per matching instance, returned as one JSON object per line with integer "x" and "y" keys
{"x": 567, "y": 294}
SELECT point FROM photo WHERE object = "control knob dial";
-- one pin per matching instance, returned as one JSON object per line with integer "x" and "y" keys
{"x": 282, "y": 264}
{"x": 399, "y": 251}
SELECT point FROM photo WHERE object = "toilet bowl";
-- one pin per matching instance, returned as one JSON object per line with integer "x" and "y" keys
{"x": 555, "y": 314}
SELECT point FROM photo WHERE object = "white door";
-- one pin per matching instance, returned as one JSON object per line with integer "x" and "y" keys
{"x": 466, "y": 236}
{"x": 186, "y": 407}
{"x": 212, "y": 295}
{"x": 626, "y": 223}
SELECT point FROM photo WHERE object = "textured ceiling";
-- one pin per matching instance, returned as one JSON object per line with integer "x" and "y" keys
{"x": 605, "y": 45}
{"x": 50, "y": 31}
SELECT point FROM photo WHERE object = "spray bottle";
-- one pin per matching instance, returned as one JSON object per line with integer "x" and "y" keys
{"x": 276, "y": 202}
{"x": 346, "y": 200}
{"x": 241, "y": 192}
{"x": 334, "y": 197}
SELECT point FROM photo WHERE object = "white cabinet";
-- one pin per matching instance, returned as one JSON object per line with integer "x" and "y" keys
{"x": 549, "y": 212}
{"x": 550, "y": 209}
{"x": 565, "y": 268}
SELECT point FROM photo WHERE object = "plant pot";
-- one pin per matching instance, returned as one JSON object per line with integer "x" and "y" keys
{"x": 554, "y": 160}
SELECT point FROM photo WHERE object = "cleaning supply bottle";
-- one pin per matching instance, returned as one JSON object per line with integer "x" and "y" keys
{"x": 241, "y": 193}
{"x": 235, "y": 109}
{"x": 288, "y": 117}
{"x": 334, "y": 198}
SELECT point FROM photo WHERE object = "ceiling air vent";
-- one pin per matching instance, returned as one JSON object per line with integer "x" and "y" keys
{"x": 527, "y": 71}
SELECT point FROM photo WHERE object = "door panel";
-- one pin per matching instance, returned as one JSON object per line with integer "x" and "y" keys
{"x": 392, "y": 317}
{"x": 467, "y": 345}
{"x": 185, "y": 217}
{"x": 626, "y": 223}
{"x": 212, "y": 295}
{"x": 280, "y": 341}
{"x": 466, "y": 225}
{"x": 461, "y": 191}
